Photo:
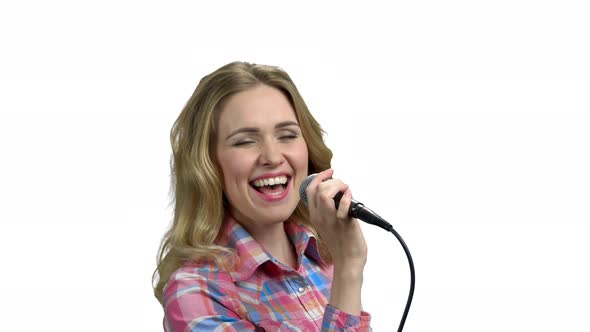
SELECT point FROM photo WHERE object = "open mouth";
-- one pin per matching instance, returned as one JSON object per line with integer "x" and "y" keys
{"x": 271, "y": 186}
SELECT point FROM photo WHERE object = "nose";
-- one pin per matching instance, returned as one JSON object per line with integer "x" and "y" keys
{"x": 271, "y": 154}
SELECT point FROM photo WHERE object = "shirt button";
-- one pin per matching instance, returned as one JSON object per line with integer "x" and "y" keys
{"x": 301, "y": 289}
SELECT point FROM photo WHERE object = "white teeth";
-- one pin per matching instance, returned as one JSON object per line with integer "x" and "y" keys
{"x": 270, "y": 181}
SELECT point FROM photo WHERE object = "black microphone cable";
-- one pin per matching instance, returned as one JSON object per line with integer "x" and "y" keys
{"x": 412, "y": 280}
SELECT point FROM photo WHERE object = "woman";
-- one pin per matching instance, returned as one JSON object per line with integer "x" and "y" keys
{"x": 242, "y": 253}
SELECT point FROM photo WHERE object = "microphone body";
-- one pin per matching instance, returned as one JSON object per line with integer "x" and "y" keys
{"x": 357, "y": 209}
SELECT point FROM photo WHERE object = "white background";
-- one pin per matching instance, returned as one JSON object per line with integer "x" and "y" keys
{"x": 463, "y": 123}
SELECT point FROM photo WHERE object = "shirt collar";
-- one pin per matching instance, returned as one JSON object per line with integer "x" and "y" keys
{"x": 251, "y": 254}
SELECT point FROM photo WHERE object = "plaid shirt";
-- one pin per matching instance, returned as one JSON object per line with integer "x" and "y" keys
{"x": 260, "y": 294}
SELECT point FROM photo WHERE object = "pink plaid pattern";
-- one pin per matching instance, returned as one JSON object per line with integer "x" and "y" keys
{"x": 261, "y": 294}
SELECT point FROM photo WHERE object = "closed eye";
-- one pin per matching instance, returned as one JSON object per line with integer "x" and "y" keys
{"x": 288, "y": 137}
{"x": 243, "y": 143}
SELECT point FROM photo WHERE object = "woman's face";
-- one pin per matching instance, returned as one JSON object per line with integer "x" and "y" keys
{"x": 262, "y": 154}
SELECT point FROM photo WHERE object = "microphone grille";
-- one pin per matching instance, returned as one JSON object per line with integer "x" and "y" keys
{"x": 302, "y": 188}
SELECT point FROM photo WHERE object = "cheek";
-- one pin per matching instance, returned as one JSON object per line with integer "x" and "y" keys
{"x": 300, "y": 156}
{"x": 234, "y": 164}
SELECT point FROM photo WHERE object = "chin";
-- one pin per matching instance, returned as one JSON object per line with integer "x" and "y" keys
{"x": 273, "y": 217}
{"x": 265, "y": 215}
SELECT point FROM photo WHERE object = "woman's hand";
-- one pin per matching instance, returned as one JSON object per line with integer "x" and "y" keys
{"x": 340, "y": 232}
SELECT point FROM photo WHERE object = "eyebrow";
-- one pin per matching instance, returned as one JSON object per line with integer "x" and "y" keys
{"x": 256, "y": 130}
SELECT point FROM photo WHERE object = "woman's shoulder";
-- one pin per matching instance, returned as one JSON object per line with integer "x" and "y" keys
{"x": 203, "y": 283}
{"x": 204, "y": 270}
{"x": 199, "y": 275}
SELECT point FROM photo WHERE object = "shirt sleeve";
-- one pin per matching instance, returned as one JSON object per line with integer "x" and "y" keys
{"x": 336, "y": 320}
{"x": 192, "y": 303}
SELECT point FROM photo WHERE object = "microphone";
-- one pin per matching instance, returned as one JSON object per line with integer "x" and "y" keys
{"x": 357, "y": 209}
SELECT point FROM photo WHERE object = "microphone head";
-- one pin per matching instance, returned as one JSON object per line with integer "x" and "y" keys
{"x": 303, "y": 187}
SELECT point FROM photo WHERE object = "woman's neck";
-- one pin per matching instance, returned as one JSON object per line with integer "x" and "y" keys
{"x": 275, "y": 240}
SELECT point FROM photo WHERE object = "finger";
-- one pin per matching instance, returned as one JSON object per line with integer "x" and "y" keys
{"x": 312, "y": 187}
{"x": 324, "y": 175}
{"x": 342, "y": 213}
{"x": 327, "y": 190}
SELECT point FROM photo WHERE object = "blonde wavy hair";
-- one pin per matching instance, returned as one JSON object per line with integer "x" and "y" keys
{"x": 196, "y": 180}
